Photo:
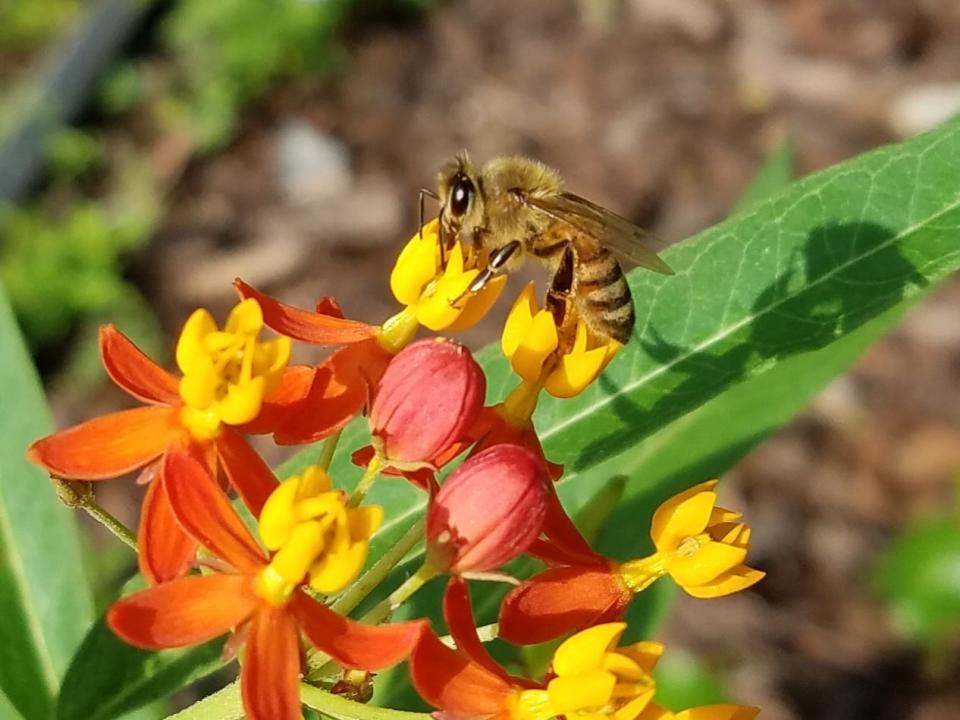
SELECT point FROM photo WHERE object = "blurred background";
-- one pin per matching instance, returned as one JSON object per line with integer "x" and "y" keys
{"x": 151, "y": 151}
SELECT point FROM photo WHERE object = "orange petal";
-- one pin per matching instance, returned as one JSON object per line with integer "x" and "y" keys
{"x": 353, "y": 644}
{"x": 165, "y": 550}
{"x": 248, "y": 473}
{"x": 133, "y": 371}
{"x": 270, "y": 679}
{"x": 109, "y": 446}
{"x": 206, "y": 514}
{"x": 184, "y": 611}
{"x": 295, "y": 384}
{"x": 565, "y": 536}
{"x": 303, "y": 325}
{"x": 453, "y": 683}
{"x": 338, "y": 393}
{"x": 559, "y": 601}
{"x": 458, "y": 614}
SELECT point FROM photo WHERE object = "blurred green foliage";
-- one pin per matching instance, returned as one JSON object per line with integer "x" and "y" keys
{"x": 227, "y": 53}
{"x": 919, "y": 578}
{"x": 62, "y": 257}
{"x": 26, "y": 22}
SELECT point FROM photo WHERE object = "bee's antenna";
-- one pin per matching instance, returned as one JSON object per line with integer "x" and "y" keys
{"x": 431, "y": 193}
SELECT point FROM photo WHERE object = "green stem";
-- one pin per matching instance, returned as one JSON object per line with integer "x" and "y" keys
{"x": 355, "y": 594}
{"x": 379, "y": 612}
{"x": 365, "y": 482}
{"x": 109, "y": 521}
{"x": 344, "y": 709}
{"x": 224, "y": 704}
{"x": 329, "y": 448}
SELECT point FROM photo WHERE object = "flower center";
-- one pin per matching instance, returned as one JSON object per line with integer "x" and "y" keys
{"x": 227, "y": 373}
{"x": 316, "y": 537}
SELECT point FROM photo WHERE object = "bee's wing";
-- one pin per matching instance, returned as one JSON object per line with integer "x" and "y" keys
{"x": 614, "y": 232}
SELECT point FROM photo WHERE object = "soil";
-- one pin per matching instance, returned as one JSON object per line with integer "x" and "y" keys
{"x": 662, "y": 110}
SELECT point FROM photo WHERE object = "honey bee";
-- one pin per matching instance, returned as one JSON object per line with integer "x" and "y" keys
{"x": 513, "y": 207}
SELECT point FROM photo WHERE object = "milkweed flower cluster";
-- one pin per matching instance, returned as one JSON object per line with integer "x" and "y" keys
{"x": 292, "y": 582}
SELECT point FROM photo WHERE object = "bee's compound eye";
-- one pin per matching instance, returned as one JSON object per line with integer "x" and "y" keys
{"x": 460, "y": 194}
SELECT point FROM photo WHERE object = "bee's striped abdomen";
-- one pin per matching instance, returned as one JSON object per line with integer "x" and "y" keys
{"x": 601, "y": 292}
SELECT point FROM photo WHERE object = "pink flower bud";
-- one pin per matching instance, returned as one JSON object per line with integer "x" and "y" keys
{"x": 429, "y": 397}
{"x": 489, "y": 510}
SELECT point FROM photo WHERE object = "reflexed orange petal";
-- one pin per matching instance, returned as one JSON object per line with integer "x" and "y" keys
{"x": 493, "y": 429}
{"x": 165, "y": 550}
{"x": 303, "y": 325}
{"x": 246, "y": 470}
{"x": 133, "y": 371}
{"x": 353, "y": 644}
{"x": 295, "y": 384}
{"x": 453, "y": 683}
{"x": 560, "y": 600}
{"x": 337, "y": 394}
{"x": 184, "y": 611}
{"x": 270, "y": 679}
{"x": 565, "y": 536}
{"x": 109, "y": 446}
{"x": 206, "y": 513}
{"x": 458, "y": 614}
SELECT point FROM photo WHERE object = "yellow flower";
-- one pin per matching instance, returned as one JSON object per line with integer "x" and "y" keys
{"x": 701, "y": 546}
{"x": 564, "y": 361}
{"x": 315, "y": 535}
{"x": 227, "y": 373}
{"x": 436, "y": 295}
{"x": 595, "y": 679}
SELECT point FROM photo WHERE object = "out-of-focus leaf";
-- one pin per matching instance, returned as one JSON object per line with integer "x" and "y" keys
{"x": 45, "y": 604}
{"x": 683, "y": 682}
{"x": 774, "y": 175}
{"x": 919, "y": 577}
{"x": 109, "y": 678}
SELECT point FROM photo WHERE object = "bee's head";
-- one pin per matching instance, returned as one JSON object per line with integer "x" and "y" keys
{"x": 460, "y": 195}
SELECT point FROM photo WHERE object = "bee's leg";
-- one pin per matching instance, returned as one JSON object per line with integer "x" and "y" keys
{"x": 498, "y": 259}
{"x": 496, "y": 263}
{"x": 561, "y": 286}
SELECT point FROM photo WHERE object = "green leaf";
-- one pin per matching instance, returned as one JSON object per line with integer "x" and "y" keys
{"x": 44, "y": 599}
{"x": 774, "y": 175}
{"x": 919, "y": 577}
{"x": 684, "y": 682}
{"x": 109, "y": 678}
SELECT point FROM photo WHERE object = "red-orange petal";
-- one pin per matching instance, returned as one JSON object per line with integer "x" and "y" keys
{"x": 184, "y": 611}
{"x": 338, "y": 393}
{"x": 458, "y": 614}
{"x": 164, "y": 549}
{"x": 132, "y": 370}
{"x": 304, "y": 325}
{"x": 206, "y": 513}
{"x": 109, "y": 446}
{"x": 565, "y": 537}
{"x": 561, "y": 600}
{"x": 248, "y": 473}
{"x": 294, "y": 387}
{"x": 453, "y": 683}
{"x": 270, "y": 679}
{"x": 353, "y": 644}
